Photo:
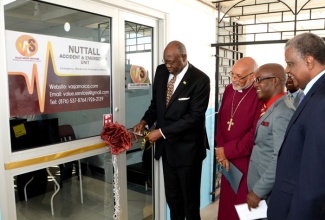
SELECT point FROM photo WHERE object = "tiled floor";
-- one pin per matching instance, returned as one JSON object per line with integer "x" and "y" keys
{"x": 96, "y": 204}
{"x": 67, "y": 203}
{"x": 210, "y": 212}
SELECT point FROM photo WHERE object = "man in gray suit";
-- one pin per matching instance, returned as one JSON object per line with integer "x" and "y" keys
{"x": 293, "y": 91}
{"x": 270, "y": 82}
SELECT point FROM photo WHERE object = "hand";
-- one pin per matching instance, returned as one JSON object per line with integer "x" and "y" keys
{"x": 154, "y": 135}
{"x": 252, "y": 200}
{"x": 220, "y": 154}
{"x": 137, "y": 129}
{"x": 225, "y": 164}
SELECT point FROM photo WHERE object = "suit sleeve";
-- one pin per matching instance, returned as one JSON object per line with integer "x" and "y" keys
{"x": 218, "y": 137}
{"x": 308, "y": 201}
{"x": 280, "y": 121}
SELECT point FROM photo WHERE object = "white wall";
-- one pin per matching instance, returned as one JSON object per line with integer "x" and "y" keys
{"x": 267, "y": 53}
{"x": 194, "y": 24}
{"x": 264, "y": 53}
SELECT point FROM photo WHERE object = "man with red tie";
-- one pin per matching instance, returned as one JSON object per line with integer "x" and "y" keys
{"x": 269, "y": 84}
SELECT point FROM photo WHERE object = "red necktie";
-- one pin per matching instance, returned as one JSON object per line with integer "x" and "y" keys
{"x": 263, "y": 110}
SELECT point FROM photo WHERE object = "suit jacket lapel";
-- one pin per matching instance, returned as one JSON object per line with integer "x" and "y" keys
{"x": 297, "y": 99}
{"x": 268, "y": 112}
{"x": 260, "y": 120}
{"x": 311, "y": 92}
{"x": 164, "y": 85}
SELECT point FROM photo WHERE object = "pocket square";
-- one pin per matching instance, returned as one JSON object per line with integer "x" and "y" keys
{"x": 265, "y": 123}
{"x": 183, "y": 99}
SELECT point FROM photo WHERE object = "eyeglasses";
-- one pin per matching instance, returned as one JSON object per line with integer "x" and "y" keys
{"x": 232, "y": 75}
{"x": 170, "y": 63}
{"x": 259, "y": 80}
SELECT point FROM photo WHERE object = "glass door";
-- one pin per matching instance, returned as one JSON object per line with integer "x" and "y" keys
{"x": 138, "y": 91}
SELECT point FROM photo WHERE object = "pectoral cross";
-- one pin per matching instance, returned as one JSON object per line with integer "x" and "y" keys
{"x": 230, "y": 123}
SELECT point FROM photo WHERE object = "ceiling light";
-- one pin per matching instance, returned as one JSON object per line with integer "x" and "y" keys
{"x": 67, "y": 26}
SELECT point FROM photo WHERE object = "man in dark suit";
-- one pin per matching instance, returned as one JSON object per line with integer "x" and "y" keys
{"x": 299, "y": 188}
{"x": 180, "y": 135}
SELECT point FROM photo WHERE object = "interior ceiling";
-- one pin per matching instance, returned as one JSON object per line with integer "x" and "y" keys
{"x": 29, "y": 16}
{"x": 238, "y": 7}
{"x": 268, "y": 11}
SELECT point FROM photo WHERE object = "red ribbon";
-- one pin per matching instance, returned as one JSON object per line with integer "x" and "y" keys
{"x": 117, "y": 137}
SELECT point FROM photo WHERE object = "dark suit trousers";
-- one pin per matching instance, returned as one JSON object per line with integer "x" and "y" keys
{"x": 182, "y": 189}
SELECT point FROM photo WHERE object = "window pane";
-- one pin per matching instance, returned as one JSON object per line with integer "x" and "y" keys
{"x": 138, "y": 94}
{"x": 59, "y": 72}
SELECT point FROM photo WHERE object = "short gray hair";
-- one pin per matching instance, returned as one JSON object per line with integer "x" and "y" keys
{"x": 308, "y": 44}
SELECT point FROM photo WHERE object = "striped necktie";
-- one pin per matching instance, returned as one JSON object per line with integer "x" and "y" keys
{"x": 290, "y": 96}
{"x": 263, "y": 110}
{"x": 170, "y": 89}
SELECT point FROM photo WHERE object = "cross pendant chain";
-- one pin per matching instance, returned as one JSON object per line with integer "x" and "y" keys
{"x": 230, "y": 123}
{"x": 232, "y": 113}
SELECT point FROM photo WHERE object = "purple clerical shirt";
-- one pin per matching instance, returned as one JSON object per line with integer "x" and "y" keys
{"x": 244, "y": 108}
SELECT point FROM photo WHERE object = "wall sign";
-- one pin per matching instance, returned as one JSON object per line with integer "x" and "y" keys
{"x": 50, "y": 74}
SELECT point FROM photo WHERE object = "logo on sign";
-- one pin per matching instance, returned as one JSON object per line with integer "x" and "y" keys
{"x": 26, "y": 45}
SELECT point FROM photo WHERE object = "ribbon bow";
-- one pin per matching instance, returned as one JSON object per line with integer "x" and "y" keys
{"x": 146, "y": 145}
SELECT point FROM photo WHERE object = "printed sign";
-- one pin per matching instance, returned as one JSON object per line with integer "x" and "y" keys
{"x": 50, "y": 74}
{"x": 139, "y": 77}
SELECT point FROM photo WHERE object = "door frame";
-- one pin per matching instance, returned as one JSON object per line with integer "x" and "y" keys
{"x": 119, "y": 11}
{"x": 158, "y": 25}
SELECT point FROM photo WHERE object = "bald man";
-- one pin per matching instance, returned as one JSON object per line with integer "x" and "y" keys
{"x": 269, "y": 84}
{"x": 179, "y": 101}
{"x": 237, "y": 119}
